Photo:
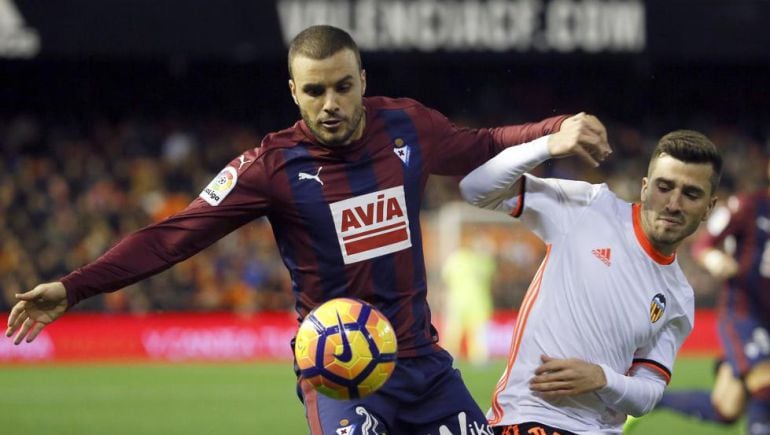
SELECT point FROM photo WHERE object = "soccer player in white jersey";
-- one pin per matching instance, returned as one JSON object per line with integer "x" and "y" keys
{"x": 608, "y": 309}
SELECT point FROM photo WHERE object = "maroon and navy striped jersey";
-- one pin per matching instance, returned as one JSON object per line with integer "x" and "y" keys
{"x": 346, "y": 219}
{"x": 745, "y": 222}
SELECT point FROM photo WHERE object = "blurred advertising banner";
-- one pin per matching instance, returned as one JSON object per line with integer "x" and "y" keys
{"x": 180, "y": 337}
{"x": 243, "y": 30}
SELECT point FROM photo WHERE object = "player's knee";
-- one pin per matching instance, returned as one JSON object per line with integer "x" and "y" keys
{"x": 729, "y": 411}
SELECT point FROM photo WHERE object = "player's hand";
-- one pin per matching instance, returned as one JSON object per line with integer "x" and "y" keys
{"x": 719, "y": 264}
{"x": 557, "y": 378}
{"x": 581, "y": 134}
{"x": 36, "y": 309}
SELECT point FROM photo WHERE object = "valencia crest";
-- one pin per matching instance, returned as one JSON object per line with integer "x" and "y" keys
{"x": 657, "y": 307}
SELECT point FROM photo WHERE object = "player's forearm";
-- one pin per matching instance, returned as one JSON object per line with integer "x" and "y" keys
{"x": 491, "y": 183}
{"x": 147, "y": 252}
{"x": 518, "y": 134}
{"x": 635, "y": 395}
{"x": 133, "y": 259}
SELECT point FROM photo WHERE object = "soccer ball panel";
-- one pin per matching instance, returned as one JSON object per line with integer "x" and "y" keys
{"x": 345, "y": 348}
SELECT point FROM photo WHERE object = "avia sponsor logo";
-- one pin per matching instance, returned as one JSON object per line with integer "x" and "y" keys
{"x": 16, "y": 39}
{"x": 218, "y": 189}
{"x": 372, "y": 225}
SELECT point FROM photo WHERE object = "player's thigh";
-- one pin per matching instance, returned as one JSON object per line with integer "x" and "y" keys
{"x": 746, "y": 343}
{"x": 446, "y": 407}
{"x": 729, "y": 394}
{"x": 372, "y": 415}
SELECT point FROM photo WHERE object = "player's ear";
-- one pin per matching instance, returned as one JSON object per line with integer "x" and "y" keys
{"x": 363, "y": 82}
{"x": 293, "y": 90}
{"x": 710, "y": 208}
{"x": 645, "y": 186}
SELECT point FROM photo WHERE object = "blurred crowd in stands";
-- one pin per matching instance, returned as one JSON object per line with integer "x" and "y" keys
{"x": 70, "y": 191}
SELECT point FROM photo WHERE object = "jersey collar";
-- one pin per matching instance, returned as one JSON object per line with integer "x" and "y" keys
{"x": 644, "y": 242}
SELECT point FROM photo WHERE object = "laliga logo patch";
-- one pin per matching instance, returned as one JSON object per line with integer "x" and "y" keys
{"x": 372, "y": 225}
{"x": 657, "y": 307}
{"x": 220, "y": 186}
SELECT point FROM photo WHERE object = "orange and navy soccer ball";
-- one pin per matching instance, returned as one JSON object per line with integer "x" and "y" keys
{"x": 345, "y": 348}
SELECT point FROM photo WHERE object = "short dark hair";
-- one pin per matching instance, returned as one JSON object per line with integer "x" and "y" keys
{"x": 320, "y": 42}
{"x": 691, "y": 147}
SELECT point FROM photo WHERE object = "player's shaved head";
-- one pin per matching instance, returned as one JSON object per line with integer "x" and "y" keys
{"x": 321, "y": 42}
{"x": 690, "y": 147}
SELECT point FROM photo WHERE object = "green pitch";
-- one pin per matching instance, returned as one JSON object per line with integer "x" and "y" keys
{"x": 230, "y": 399}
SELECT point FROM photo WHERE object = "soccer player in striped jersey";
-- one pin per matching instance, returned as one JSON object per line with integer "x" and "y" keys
{"x": 600, "y": 326}
{"x": 743, "y": 378}
{"x": 342, "y": 189}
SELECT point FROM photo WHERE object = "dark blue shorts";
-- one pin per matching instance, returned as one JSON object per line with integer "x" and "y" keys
{"x": 423, "y": 394}
{"x": 746, "y": 342}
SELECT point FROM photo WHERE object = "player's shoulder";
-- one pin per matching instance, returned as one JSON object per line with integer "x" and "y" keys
{"x": 381, "y": 103}
{"x": 286, "y": 138}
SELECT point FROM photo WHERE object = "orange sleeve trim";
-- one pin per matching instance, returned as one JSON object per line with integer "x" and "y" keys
{"x": 520, "y": 205}
{"x": 655, "y": 366}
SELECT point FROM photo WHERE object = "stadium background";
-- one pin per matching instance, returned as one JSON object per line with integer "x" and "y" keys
{"x": 115, "y": 114}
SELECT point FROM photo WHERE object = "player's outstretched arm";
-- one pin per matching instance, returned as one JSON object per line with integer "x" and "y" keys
{"x": 498, "y": 179}
{"x": 35, "y": 310}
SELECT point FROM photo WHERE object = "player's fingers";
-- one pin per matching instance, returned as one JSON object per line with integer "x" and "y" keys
{"x": 25, "y": 327}
{"x": 30, "y": 295}
{"x": 14, "y": 319}
{"x": 586, "y": 156}
{"x": 552, "y": 387}
{"x": 35, "y": 331}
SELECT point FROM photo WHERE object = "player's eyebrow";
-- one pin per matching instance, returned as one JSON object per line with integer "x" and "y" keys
{"x": 687, "y": 188}
{"x": 319, "y": 87}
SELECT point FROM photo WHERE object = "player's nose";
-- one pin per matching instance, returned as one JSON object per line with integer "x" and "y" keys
{"x": 331, "y": 102}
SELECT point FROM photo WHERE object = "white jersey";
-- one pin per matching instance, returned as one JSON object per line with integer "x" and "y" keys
{"x": 602, "y": 294}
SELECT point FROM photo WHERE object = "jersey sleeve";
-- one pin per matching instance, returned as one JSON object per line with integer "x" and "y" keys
{"x": 549, "y": 207}
{"x": 660, "y": 353}
{"x": 241, "y": 191}
{"x": 457, "y": 151}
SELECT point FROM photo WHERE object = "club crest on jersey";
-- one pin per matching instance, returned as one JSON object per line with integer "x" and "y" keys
{"x": 346, "y": 430}
{"x": 402, "y": 150}
{"x": 218, "y": 189}
{"x": 657, "y": 307}
{"x": 372, "y": 225}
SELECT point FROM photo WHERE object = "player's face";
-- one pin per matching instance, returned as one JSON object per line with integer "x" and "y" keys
{"x": 676, "y": 198}
{"x": 329, "y": 94}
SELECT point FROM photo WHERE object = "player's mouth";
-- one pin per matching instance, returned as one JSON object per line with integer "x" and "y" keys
{"x": 670, "y": 221}
{"x": 331, "y": 124}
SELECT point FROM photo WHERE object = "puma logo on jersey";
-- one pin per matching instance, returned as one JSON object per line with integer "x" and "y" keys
{"x": 372, "y": 225}
{"x": 316, "y": 177}
{"x": 243, "y": 161}
{"x": 603, "y": 254}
